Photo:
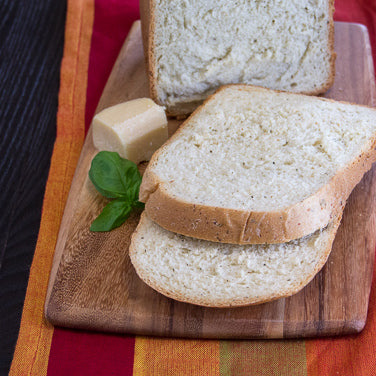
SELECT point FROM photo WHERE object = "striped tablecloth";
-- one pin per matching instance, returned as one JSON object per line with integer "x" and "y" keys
{"x": 94, "y": 32}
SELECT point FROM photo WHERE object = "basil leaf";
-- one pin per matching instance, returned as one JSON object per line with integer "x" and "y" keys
{"x": 112, "y": 216}
{"x": 133, "y": 191}
{"x": 118, "y": 178}
{"x": 115, "y": 177}
{"x": 133, "y": 181}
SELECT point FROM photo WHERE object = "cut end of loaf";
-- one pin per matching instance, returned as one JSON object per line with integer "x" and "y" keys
{"x": 195, "y": 47}
{"x": 223, "y": 275}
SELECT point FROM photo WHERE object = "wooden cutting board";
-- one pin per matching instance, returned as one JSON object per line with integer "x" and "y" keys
{"x": 94, "y": 286}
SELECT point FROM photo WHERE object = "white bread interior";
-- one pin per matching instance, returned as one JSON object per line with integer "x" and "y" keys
{"x": 225, "y": 275}
{"x": 197, "y": 46}
{"x": 254, "y": 165}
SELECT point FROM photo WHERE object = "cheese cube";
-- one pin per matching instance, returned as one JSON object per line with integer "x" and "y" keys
{"x": 134, "y": 129}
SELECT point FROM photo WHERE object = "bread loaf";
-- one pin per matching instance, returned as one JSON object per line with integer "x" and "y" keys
{"x": 253, "y": 165}
{"x": 224, "y": 275}
{"x": 193, "y": 47}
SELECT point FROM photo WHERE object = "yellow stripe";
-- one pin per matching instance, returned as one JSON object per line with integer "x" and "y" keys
{"x": 263, "y": 358}
{"x": 35, "y": 335}
{"x": 162, "y": 356}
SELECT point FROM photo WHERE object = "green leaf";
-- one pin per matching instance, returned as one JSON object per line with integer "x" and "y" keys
{"x": 113, "y": 215}
{"x": 118, "y": 178}
{"x": 115, "y": 177}
{"x": 133, "y": 178}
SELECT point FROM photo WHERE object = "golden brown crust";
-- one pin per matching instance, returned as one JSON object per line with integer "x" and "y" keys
{"x": 145, "y": 25}
{"x": 198, "y": 300}
{"x": 333, "y": 55}
{"x": 147, "y": 12}
{"x": 249, "y": 227}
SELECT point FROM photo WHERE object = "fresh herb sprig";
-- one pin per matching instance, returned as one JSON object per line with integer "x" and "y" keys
{"x": 118, "y": 179}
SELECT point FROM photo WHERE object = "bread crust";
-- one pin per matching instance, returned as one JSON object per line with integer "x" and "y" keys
{"x": 147, "y": 15}
{"x": 252, "y": 227}
{"x": 145, "y": 24}
{"x": 333, "y": 56}
{"x": 234, "y": 302}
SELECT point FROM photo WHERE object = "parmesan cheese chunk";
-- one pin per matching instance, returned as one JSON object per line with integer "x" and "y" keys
{"x": 134, "y": 129}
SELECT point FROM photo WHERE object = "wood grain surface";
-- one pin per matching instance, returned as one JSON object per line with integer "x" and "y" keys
{"x": 94, "y": 286}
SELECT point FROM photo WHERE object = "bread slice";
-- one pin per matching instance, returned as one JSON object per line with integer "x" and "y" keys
{"x": 253, "y": 165}
{"x": 193, "y": 47}
{"x": 225, "y": 275}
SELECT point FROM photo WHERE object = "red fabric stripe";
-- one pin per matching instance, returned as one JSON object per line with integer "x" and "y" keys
{"x": 75, "y": 352}
{"x": 360, "y": 11}
{"x": 95, "y": 354}
{"x": 112, "y": 21}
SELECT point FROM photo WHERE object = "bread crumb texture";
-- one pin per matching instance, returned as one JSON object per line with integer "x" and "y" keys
{"x": 217, "y": 274}
{"x": 278, "y": 44}
{"x": 254, "y": 149}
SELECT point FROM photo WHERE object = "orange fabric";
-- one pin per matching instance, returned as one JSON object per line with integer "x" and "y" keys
{"x": 34, "y": 340}
{"x": 163, "y": 356}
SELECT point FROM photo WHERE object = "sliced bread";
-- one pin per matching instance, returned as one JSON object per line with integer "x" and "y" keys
{"x": 225, "y": 275}
{"x": 193, "y": 47}
{"x": 254, "y": 165}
